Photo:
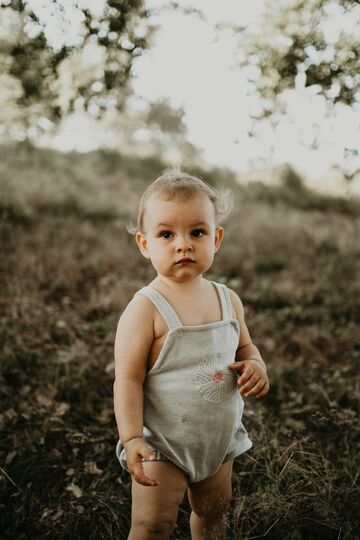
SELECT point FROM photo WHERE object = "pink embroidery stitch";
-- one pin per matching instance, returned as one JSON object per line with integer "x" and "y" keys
{"x": 217, "y": 377}
{"x": 213, "y": 379}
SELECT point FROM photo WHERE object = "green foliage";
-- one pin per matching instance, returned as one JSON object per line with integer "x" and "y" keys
{"x": 42, "y": 68}
{"x": 291, "y": 41}
{"x": 168, "y": 119}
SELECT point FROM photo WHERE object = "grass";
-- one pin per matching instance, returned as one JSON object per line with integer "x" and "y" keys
{"x": 68, "y": 268}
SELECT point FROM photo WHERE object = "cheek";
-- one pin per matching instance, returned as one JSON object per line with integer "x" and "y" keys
{"x": 158, "y": 252}
{"x": 210, "y": 245}
{"x": 207, "y": 251}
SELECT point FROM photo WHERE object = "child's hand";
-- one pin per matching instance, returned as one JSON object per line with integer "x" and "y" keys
{"x": 136, "y": 449}
{"x": 253, "y": 380}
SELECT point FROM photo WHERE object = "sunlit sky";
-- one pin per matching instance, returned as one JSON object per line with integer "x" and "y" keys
{"x": 196, "y": 68}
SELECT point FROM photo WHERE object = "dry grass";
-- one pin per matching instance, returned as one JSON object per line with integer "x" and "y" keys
{"x": 68, "y": 268}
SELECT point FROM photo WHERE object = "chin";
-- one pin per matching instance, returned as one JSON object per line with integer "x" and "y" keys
{"x": 188, "y": 275}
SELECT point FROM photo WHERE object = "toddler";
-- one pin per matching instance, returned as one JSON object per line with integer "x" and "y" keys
{"x": 183, "y": 355}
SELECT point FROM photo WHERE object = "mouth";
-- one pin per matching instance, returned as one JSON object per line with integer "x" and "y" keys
{"x": 185, "y": 260}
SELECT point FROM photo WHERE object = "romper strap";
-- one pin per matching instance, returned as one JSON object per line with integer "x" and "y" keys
{"x": 226, "y": 306}
{"x": 163, "y": 306}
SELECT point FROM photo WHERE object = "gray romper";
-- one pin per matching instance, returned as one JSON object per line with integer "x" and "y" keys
{"x": 192, "y": 405}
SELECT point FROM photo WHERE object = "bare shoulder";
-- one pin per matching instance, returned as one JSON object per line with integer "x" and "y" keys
{"x": 134, "y": 337}
{"x": 237, "y": 304}
{"x": 138, "y": 312}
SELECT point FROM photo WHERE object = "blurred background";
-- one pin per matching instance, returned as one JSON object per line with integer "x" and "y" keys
{"x": 96, "y": 99}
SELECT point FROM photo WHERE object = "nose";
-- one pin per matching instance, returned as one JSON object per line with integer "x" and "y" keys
{"x": 184, "y": 244}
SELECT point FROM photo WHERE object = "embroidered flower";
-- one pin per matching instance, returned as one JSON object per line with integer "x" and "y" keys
{"x": 217, "y": 377}
{"x": 213, "y": 379}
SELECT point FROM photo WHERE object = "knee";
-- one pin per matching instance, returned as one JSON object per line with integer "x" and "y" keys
{"x": 210, "y": 512}
{"x": 152, "y": 527}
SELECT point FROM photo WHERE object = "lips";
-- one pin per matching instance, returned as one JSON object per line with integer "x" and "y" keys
{"x": 185, "y": 260}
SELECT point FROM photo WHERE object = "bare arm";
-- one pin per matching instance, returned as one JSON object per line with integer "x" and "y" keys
{"x": 254, "y": 379}
{"x": 134, "y": 337}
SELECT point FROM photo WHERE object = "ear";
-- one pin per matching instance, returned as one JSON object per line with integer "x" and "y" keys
{"x": 219, "y": 235}
{"x": 141, "y": 241}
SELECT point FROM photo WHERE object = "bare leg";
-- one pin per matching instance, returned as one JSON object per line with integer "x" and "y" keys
{"x": 155, "y": 509}
{"x": 209, "y": 500}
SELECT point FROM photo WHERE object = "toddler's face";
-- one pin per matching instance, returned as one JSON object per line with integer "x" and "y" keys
{"x": 180, "y": 236}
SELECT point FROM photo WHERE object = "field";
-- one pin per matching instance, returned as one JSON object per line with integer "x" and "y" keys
{"x": 68, "y": 268}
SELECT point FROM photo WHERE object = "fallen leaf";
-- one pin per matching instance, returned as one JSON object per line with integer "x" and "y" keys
{"x": 44, "y": 400}
{"x": 92, "y": 468}
{"x": 75, "y": 490}
{"x": 61, "y": 409}
{"x": 58, "y": 515}
{"x": 10, "y": 457}
{"x": 46, "y": 513}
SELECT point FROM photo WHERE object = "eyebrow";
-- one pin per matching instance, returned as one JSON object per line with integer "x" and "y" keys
{"x": 197, "y": 224}
{"x": 200, "y": 224}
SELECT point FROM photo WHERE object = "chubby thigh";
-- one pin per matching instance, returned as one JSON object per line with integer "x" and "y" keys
{"x": 212, "y": 495}
{"x": 155, "y": 508}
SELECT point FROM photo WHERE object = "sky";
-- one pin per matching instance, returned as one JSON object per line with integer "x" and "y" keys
{"x": 196, "y": 67}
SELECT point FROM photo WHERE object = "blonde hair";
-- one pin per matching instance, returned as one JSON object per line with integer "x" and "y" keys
{"x": 174, "y": 183}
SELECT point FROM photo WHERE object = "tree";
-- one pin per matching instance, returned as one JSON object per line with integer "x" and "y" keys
{"x": 304, "y": 55}
{"x": 296, "y": 45}
{"x": 48, "y": 71}
{"x": 152, "y": 128}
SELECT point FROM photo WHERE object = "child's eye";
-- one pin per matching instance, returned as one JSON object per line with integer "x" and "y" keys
{"x": 166, "y": 234}
{"x": 198, "y": 233}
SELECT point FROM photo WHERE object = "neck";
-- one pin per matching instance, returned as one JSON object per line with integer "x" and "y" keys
{"x": 183, "y": 286}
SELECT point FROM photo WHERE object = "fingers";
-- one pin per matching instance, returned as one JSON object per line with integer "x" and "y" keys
{"x": 146, "y": 452}
{"x": 239, "y": 366}
{"x": 250, "y": 383}
{"x": 253, "y": 381}
{"x": 258, "y": 388}
{"x": 249, "y": 373}
{"x": 264, "y": 390}
{"x": 140, "y": 477}
{"x": 136, "y": 451}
